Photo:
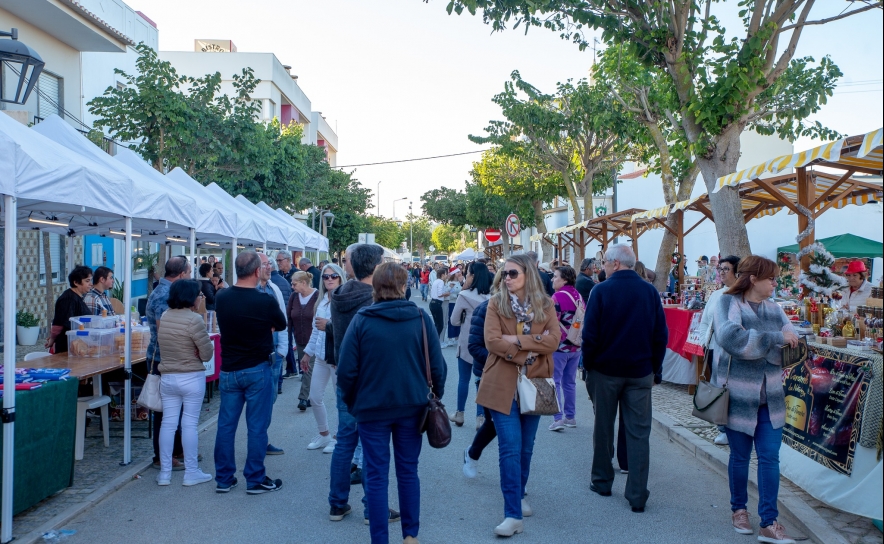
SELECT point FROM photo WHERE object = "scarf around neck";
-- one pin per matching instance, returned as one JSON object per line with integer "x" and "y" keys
{"x": 524, "y": 315}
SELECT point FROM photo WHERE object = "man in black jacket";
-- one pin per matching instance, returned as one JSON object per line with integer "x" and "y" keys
{"x": 624, "y": 342}
{"x": 360, "y": 262}
{"x": 306, "y": 265}
{"x": 584, "y": 280}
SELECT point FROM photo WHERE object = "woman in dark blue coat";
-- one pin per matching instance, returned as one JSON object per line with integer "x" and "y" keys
{"x": 382, "y": 377}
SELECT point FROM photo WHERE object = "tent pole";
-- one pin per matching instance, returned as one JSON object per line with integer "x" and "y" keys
{"x": 193, "y": 260}
{"x": 233, "y": 251}
{"x": 127, "y": 354}
{"x": 70, "y": 253}
{"x": 9, "y": 266}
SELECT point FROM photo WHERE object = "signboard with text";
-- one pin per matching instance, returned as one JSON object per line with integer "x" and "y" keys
{"x": 825, "y": 397}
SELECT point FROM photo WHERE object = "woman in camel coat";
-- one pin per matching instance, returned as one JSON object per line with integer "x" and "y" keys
{"x": 521, "y": 330}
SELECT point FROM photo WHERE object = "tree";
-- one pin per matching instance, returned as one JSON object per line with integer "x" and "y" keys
{"x": 446, "y": 206}
{"x": 419, "y": 233}
{"x": 386, "y": 231}
{"x": 522, "y": 187}
{"x": 724, "y": 83}
{"x": 580, "y": 131}
{"x": 450, "y": 238}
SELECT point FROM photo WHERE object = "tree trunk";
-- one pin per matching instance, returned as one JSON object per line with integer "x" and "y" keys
{"x": 664, "y": 257}
{"x": 47, "y": 271}
{"x": 733, "y": 239}
{"x": 546, "y": 248}
{"x": 572, "y": 195}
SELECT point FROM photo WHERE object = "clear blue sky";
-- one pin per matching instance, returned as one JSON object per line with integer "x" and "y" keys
{"x": 402, "y": 79}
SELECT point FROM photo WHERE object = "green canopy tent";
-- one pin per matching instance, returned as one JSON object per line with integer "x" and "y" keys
{"x": 845, "y": 245}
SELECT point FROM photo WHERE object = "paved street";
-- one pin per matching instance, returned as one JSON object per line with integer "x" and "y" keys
{"x": 689, "y": 502}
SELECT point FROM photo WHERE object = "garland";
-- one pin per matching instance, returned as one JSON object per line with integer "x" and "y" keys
{"x": 819, "y": 278}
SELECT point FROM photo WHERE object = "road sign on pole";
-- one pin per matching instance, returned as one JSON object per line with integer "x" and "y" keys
{"x": 492, "y": 235}
{"x": 512, "y": 225}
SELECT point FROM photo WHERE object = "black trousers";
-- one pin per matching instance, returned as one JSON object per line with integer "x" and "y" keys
{"x": 484, "y": 436}
{"x": 633, "y": 398}
{"x": 438, "y": 315}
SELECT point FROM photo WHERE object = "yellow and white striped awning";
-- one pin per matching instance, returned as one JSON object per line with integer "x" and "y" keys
{"x": 661, "y": 212}
{"x": 536, "y": 237}
{"x": 867, "y": 155}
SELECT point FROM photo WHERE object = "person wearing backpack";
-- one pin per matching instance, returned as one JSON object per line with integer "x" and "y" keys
{"x": 569, "y": 310}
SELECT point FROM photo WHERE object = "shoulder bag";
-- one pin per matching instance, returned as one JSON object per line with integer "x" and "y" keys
{"x": 574, "y": 334}
{"x": 537, "y": 396}
{"x": 435, "y": 421}
{"x": 711, "y": 402}
{"x": 150, "y": 392}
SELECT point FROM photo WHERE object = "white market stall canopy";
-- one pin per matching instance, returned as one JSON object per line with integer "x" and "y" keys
{"x": 214, "y": 225}
{"x": 315, "y": 241}
{"x": 278, "y": 235}
{"x": 156, "y": 212}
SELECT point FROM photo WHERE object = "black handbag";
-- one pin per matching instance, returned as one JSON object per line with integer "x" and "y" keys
{"x": 435, "y": 421}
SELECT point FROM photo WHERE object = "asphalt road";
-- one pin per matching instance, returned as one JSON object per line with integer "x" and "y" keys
{"x": 688, "y": 503}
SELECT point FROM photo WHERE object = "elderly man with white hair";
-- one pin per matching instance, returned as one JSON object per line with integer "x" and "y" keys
{"x": 624, "y": 341}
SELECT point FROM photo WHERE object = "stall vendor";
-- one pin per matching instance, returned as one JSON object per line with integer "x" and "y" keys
{"x": 858, "y": 289}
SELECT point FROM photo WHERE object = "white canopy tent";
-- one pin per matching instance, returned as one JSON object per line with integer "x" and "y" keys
{"x": 41, "y": 180}
{"x": 276, "y": 230}
{"x": 315, "y": 240}
{"x": 469, "y": 254}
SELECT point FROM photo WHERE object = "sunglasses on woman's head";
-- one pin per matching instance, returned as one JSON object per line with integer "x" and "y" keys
{"x": 331, "y": 276}
{"x": 513, "y": 274}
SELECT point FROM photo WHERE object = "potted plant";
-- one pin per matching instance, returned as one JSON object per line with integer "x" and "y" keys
{"x": 27, "y": 328}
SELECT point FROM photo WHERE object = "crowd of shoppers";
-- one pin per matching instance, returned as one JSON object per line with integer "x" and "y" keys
{"x": 336, "y": 323}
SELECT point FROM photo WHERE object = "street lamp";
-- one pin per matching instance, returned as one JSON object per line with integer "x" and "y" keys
{"x": 326, "y": 220}
{"x": 410, "y": 233}
{"x": 378, "y": 195}
{"x": 22, "y": 61}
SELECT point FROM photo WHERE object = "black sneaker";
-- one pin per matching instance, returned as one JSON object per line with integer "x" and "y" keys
{"x": 355, "y": 475}
{"x": 394, "y": 517}
{"x": 302, "y": 406}
{"x": 266, "y": 486}
{"x": 337, "y": 514}
{"x": 223, "y": 488}
{"x": 279, "y": 391}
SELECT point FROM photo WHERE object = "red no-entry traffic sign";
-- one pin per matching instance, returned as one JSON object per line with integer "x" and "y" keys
{"x": 492, "y": 235}
{"x": 512, "y": 225}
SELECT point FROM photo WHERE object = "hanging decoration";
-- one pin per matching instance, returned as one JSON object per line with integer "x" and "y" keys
{"x": 786, "y": 285}
{"x": 819, "y": 277}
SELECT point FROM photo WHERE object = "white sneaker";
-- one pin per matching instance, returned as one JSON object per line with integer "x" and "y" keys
{"x": 557, "y": 425}
{"x": 319, "y": 441}
{"x": 480, "y": 420}
{"x": 199, "y": 478}
{"x": 470, "y": 466}
{"x": 509, "y": 527}
{"x": 164, "y": 478}
{"x": 720, "y": 440}
{"x": 527, "y": 512}
{"x": 330, "y": 447}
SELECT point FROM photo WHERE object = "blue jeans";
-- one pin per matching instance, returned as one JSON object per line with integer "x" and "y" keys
{"x": 515, "y": 440}
{"x": 767, "y": 442}
{"x": 464, "y": 374}
{"x": 253, "y": 388}
{"x": 343, "y": 457}
{"x": 424, "y": 287}
{"x": 565, "y": 375}
{"x": 407, "y": 441}
{"x": 276, "y": 375}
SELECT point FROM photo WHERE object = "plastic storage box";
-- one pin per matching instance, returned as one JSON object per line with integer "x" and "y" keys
{"x": 140, "y": 340}
{"x": 91, "y": 343}
{"x": 94, "y": 322}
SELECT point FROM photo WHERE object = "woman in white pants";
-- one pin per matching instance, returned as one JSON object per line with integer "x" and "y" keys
{"x": 321, "y": 346}
{"x": 185, "y": 344}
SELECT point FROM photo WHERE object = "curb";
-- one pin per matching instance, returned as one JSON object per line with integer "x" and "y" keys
{"x": 137, "y": 467}
{"x": 792, "y": 507}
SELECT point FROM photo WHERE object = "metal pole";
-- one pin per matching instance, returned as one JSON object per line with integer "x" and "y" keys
{"x": 379, "y": 198}
{"x": 193, "y": 253}
{"x": 127, "y": 354}
{"x": 233, "y": 260}
{"x": 410, "y": 233}
{"x": 70, "y": 253}
{"x": 8, "y": 366}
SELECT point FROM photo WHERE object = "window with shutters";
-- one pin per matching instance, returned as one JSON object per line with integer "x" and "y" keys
{"x": 49, "y": 97}
{"x": 57, "y": 256}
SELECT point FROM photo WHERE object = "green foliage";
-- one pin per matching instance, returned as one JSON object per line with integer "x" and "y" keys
{"x": 386, "y": 232}
{"x": 418, "y": 232}
{"x": 118, "y": 291}
{"x": 183, "y": 121}
{"x": 450, "y": 238}
{"x": 486, "y": 208}
{"x": 24, "y": 318}
{"x": 446, "y": 206}
{"x": 345, "y": 230}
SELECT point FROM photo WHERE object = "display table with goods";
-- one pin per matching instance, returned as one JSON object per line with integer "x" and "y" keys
{"x": 832, "y": 437}
{"x": 45, "y": 422}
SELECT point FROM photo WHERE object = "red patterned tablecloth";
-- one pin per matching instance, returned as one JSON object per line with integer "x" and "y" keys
{"x": 678, "y": 320}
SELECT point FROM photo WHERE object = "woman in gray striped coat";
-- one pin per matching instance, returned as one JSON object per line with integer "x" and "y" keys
{"x": 751, "y": 330}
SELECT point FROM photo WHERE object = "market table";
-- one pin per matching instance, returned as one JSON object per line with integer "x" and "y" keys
{"x": 680, "y": 363}
{"x": 45, "y": 423}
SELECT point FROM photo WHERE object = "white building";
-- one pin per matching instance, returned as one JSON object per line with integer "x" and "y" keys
{"x": 278, "y": 90}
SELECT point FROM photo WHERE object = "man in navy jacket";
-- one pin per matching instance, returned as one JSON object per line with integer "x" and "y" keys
{"x": 624, "y": 342}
